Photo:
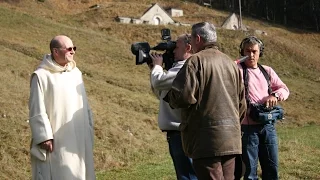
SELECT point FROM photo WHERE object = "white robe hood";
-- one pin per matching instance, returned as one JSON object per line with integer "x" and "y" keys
{"x": 51, "y": 65}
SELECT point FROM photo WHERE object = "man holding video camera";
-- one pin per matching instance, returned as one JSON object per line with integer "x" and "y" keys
{"x": 263, "y": 86}
{"x": 170, "y": 119}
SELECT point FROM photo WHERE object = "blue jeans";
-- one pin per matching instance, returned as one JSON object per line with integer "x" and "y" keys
{"x": 182, "y": 164}
{"x": 260, "y": 141}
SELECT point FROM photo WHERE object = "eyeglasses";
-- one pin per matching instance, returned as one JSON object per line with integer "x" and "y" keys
{"x": 70, "y": 48}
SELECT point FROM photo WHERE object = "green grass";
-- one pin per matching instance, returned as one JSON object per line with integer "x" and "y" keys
{"x": 299, "y": 156}
{"x": 299, "y": 152}
{"x": 161, "y": 169}
{"x": 128, "y": 143}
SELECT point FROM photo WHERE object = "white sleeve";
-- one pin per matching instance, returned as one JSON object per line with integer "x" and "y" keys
{"x": 161, "y": 80}
{"x": 38, "y": 119}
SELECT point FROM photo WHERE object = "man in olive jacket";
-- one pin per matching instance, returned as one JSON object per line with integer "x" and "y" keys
{"x": 209, "y": 87}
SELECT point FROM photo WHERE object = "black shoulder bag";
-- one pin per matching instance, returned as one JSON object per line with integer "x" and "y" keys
{"x": 259, "y": 112}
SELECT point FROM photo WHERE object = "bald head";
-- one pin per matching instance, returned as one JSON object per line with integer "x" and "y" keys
{"x": 58, "y": 41}
{"x": 62, "y": 49}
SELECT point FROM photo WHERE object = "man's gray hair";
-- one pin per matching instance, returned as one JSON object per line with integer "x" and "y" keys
{"x": 206, "y": 31}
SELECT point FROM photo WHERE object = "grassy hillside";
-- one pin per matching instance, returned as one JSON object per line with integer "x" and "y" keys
{"x": 128, "y": 142}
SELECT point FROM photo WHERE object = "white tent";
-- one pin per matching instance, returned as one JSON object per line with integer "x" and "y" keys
{"x": 232, "y": 22}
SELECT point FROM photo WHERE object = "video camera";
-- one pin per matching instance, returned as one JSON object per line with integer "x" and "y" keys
{"x": 141, "y": 50}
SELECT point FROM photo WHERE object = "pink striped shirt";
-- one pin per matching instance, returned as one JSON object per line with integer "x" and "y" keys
{"x": 258, "y": 87}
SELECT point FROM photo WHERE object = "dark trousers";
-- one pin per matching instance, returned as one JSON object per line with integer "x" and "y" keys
{"x": 239, "y": 167}
{"x": 215, "y": 168}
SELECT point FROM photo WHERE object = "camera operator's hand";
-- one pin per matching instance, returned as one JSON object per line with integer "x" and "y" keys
{"x": 271, "y": 101}
{"x": 156, "y": 58}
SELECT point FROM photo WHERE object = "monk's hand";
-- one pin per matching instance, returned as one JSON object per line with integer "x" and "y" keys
{"x": 47, "y": 145}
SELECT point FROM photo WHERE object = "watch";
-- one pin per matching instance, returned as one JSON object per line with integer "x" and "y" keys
{"x": 276, "y": 95}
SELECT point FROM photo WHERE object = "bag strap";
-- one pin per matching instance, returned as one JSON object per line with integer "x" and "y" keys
{"x": 246, "y": 79}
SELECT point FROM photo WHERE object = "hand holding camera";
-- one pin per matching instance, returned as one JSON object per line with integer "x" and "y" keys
{"x": 157, "y": 58}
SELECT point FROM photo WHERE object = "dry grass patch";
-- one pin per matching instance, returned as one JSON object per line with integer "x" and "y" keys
{"x": 126, "y": 134}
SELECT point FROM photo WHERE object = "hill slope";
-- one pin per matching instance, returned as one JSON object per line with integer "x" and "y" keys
{"x": 125, "y": 110}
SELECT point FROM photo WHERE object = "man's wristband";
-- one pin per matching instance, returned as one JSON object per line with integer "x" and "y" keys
{"x": 276, "y": 95}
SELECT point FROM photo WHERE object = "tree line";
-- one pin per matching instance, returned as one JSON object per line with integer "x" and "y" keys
{"x": 303, "y": 14}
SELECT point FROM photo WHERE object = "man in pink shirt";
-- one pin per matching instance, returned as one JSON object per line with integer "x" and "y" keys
{"x": 259, "y": 140}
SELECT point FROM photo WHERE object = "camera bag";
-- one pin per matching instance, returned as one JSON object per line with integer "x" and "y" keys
{"x": 259, "y": 112}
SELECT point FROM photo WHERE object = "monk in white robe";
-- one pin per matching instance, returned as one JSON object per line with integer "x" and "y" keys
{"x": 60, "y": 118}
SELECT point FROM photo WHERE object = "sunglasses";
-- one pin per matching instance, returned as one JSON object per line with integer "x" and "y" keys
{"x": 70, "y": 48}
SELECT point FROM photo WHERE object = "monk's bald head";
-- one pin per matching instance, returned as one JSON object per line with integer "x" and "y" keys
{"x": 62, "y": 49}
{"x": 58, "y": 41}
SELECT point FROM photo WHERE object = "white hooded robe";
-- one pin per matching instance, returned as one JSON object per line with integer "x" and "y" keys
{"x": 59, "y": 110}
